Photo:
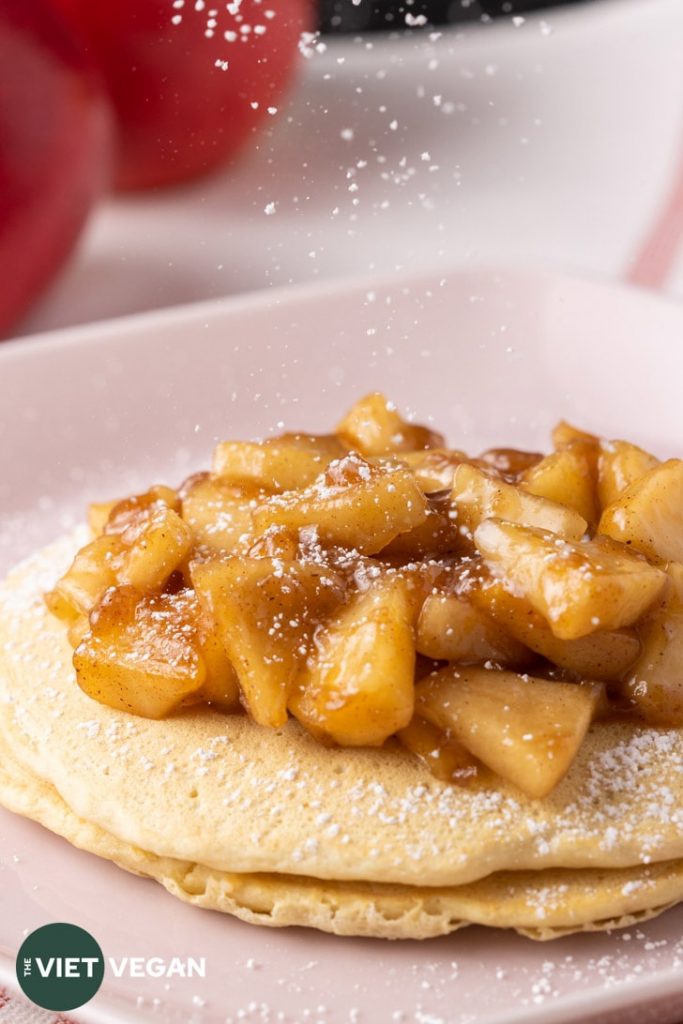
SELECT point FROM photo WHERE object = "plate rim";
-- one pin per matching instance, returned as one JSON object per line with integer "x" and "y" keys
{"x": 293, "y": 294}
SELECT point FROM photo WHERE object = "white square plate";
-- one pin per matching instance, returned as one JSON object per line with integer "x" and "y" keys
{"x": 491, "y": 357}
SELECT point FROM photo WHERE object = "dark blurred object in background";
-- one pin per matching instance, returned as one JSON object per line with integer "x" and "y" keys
{"x": 361, "y": 15}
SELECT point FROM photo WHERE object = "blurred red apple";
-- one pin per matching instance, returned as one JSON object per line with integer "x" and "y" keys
{"x": 190, "y": 80}
{"x": 54, "y": 149}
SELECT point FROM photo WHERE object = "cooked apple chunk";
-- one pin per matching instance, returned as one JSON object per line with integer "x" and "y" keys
{"x": 266, "y": 610}
{"x": 221, "y": 685}
{"x": 564, "y": 435}
{"x": 77, "y": 630}
{"x": 374, "y": 427}
{"x": 648, "y": 515}
{"x": 434, "y": 468}
{"x": 353, "y": 505}
{"x": 476, "y": 496}
{"x": 438, "y": 534}
{"x": 526, "y": 730}
{"x": 578, "y": 588}
{"x": 276, "y": 464}
{"x": 569, "y": 438}
{"x": 219, "y": 514}
{"x": 508, "y": 463}
{"x": 276, "y": 543}
{"x": 603, "y": 656}
{"x": 153, "y": 535}
{"x": 655, "y": 683}
{"x": 620, "y": 464}
{"x": 451, "y": 628}
{"x": 565, "y": 477}
{"x": 129, "y": 513}
{"x": 357, "y": 688}
{"x": 93, "y": 570}
{"x": 155, "y": 548}
{"x": 142, "y": 653}
{"x": 444, "y": 756}
{"x": 98, "y": 516}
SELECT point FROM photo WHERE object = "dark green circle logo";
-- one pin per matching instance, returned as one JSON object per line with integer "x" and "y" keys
{"x": 60, "y": 967}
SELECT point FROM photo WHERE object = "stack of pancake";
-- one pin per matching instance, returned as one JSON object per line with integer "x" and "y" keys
{"x": 279, "y": 830}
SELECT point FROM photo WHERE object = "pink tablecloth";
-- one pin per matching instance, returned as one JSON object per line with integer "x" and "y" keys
{"x": 17, "y": 1011}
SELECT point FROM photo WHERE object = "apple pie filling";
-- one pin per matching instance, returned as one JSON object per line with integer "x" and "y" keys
{"x": 385, "y": 589}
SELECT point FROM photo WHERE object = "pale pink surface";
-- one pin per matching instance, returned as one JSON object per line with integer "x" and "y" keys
{"x": 653, "y": 263}
{"x": 491, "y": 357}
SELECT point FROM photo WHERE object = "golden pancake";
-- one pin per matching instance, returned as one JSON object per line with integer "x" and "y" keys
{"x": 540, "y": 904}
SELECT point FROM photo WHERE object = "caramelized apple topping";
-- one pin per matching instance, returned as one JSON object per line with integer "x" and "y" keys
{"x": 476, "y": 612}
